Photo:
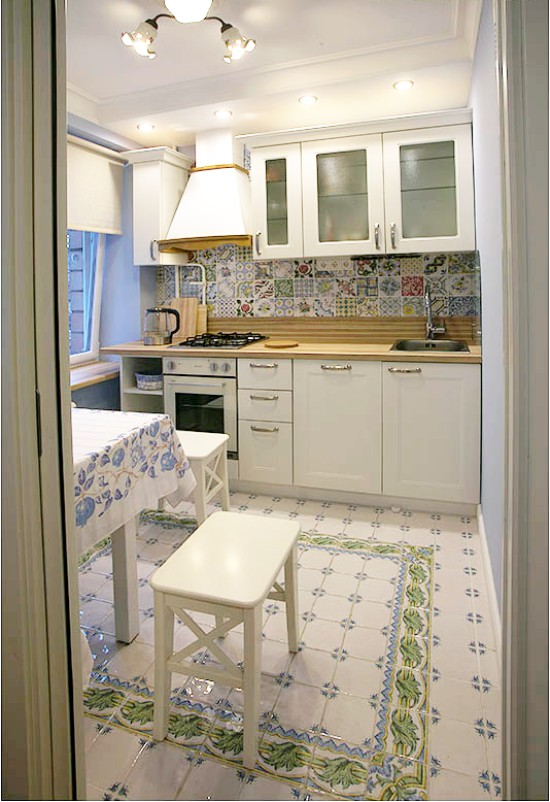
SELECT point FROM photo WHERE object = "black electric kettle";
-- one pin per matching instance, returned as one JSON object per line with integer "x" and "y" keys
{"x": 156, "y": 325}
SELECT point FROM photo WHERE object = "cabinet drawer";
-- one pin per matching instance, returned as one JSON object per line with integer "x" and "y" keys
{"x": 265, "y": 452}
{"x": 265, "y": 405}
{"x": 266, "y": 374}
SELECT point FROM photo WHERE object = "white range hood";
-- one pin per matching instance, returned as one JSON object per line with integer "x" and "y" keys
{"x": 215, "y": 207}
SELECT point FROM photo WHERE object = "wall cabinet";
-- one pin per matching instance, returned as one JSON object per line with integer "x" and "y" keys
{"x": 337, "y": 425}
{"x": 159, "y": 177}
{"x": 399, "y": 192}
{"x": 431, "y": 424}
{"x": 265, "y": 420}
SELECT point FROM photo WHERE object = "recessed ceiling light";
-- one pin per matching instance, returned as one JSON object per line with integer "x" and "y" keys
{"x": 307, "y": 100}
{"x": 403, "y": 86}
{"x": 145, "y": 128}
{"x": 223, "y": 114}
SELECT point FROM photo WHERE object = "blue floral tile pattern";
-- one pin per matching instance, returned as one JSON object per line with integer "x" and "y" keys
{"x": 454, "y": 280}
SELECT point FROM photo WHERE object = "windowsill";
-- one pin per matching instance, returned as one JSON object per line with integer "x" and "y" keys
{"x": 93, "y": 373}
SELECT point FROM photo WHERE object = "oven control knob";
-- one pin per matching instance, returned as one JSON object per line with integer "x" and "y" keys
{"x": 170, "y": 365}
{"x": 225, "y": 367}
{"x": 214, "y": 367}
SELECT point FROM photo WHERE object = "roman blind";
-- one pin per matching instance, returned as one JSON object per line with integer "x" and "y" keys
{"x": 95, "y": 178}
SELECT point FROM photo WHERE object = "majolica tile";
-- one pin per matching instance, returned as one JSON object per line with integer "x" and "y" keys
{"x": 283, "y": 269}
{"x": 303, "y": 268}
{"x": 263, "y": 270}
{"x": 324, "y": 307}
{"x": 284, "y": 288}
{"x": 304, "y": 287}
{"x": 304, "y": 307}
{"x": 367, "y": 307}
{"x": 466, "y": 306}
{"x": 245, "y": 307}
{"x": 389, "y": 286}
{"x": 345, "y": 307}
{"x": 264, "y": 307}
{"x": 284, "y": 307}
{"x": 413, "y": 306}
{"x": 395, "y": 677}
{"x": 263, "y": 289}
{"x": 367, "y": 287}
{"x": 366, "y": 266}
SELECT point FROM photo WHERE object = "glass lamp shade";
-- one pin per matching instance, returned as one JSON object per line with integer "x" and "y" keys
{"x": 188, "y": 10}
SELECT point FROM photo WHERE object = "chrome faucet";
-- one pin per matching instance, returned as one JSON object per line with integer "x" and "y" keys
{"x": 431, "y": 330}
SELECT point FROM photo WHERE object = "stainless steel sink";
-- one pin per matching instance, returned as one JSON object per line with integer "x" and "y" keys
{"x": 429, "y": 345}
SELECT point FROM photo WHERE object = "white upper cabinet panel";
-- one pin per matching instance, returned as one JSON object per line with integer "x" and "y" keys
{"x": 343, "y": 201}
{"x": 277, "y": 202}
{"x": 429, "y": 192}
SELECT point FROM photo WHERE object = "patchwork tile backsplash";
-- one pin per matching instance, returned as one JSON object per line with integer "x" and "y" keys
{"x": 381, "y": 286}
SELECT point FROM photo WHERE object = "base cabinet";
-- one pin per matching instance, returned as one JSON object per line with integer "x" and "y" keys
{"x": 337, "y": 425}
{"x": 431, "y": 424}
{"x": 265, "y": 452}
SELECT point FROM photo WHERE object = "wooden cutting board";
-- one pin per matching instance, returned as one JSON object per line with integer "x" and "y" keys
{"x": 202, "y": 319}
{"x": 281, "y": 344}
{"x": 187, "y": 307}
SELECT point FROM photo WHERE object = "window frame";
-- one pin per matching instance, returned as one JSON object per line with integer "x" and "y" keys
{"x": 93, "y": 353}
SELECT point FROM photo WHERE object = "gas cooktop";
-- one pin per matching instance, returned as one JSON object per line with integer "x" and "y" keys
{"x": 220, "y": 340}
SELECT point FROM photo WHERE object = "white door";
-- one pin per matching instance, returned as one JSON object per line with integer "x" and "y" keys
{"x": 431, "y": 424}
{"x": 343, "y": 196}
{"x": 429, "y": 190}
{"x": 337, "y": 425}
{"x": 277, "y": 202}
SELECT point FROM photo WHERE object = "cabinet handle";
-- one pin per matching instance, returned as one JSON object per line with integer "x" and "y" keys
{"x": 393, "y": 235}
{"x": 262, "y": 429}
{"x": 405, "y": 370}
{"x": 257, "y": 241}
{"x": 154, "y": 256}
{"x": 335, "y": 367}
{"x": 377, "y": 236}
{"x": 262, "y": 365}
{"x": 264, "y": 397}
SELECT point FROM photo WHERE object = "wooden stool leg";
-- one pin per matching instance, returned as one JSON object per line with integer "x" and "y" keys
{"x": 291, "y": 598}
{"x": 223, "y": 473}
{"x": 199, "y": 494}
{"x": 164, "y": 646}
{"x": 251, "y": 683}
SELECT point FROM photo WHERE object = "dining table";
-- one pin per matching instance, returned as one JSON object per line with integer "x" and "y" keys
{"x": 124, "y": 462}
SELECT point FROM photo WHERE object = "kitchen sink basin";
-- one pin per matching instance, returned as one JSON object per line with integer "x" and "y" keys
{"x": 429, "y": 345}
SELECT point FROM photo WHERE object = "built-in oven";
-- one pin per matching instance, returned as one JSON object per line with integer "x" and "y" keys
{"x": 200, "y": 394}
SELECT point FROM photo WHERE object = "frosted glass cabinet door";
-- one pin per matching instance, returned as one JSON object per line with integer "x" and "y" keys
{"x": 429, "y": 192}
{"x": 277, "y": 202}
{"x": 343, "y": 196}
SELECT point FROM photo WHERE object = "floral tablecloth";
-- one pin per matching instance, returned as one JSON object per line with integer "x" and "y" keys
{"x": 123, "y": 462}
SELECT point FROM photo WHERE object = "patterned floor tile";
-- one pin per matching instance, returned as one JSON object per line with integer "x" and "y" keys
{"x": 397, "y": 691}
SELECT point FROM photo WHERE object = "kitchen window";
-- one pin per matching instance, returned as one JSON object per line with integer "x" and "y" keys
{"x": 85, "y": 254}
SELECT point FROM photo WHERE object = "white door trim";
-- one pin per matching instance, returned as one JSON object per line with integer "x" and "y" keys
{"x": 43, "y": 755}
{"x": 522, "y": 44}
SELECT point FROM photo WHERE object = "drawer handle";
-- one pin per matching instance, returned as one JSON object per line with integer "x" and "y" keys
{"x": 405, "y": 370}
{"x": 257, "y": 242}
{"x": 264, "y": 365}
{"x": 153, "y": 255}
{"x": 264, "y": 397}
{"x": 335, "y": 367}
{"x": 262, "y": 429}
{"x": 377, "y": 236}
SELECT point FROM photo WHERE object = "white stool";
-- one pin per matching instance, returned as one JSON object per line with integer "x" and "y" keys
{"x": 207, "y": 455}
{"x": 227, "y": 568}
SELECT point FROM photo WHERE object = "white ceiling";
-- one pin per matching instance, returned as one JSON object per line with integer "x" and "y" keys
{"x": 346, "y": 52}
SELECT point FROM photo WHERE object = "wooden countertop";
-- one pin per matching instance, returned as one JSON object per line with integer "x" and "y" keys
{"x": 304, "y": 350}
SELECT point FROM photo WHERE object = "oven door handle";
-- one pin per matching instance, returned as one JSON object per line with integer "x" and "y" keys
{"x": 187, "y": 386}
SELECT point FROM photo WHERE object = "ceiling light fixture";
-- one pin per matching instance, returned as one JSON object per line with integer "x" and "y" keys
{"x": 143, "y": 37}
{"x": 223, "y": 114}
{"x": 307, "y": 100}
{"x": 145, "y": 128}
{"x": 236, "y": 45}
{"x": 403, "y": 86}
{"x": 188, "y": 10}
